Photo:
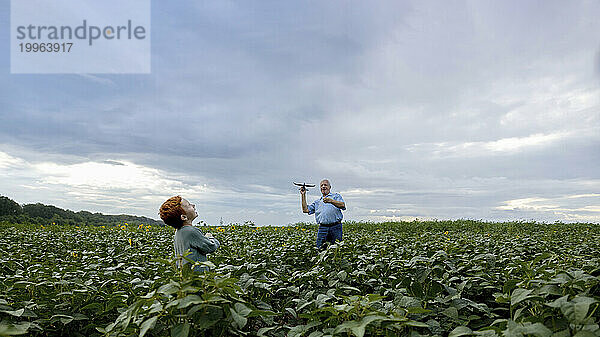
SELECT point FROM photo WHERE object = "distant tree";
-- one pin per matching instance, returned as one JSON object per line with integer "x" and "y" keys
{"x": 38, "y": 213}
{"x": 56, "y": 219}
{"x": 9, "y": 207}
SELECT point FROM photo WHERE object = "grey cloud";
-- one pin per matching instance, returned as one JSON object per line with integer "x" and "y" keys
{"x": 112, "y": 162}
{"x": 245, "y": 94}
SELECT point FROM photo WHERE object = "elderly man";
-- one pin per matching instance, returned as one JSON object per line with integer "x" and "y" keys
{"x": 328, "y": 213}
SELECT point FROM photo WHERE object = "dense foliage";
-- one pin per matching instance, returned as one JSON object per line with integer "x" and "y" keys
{"x": 9, "y": 206}
{"x": 419, "y": 278}
{"x": 40, "y": 214}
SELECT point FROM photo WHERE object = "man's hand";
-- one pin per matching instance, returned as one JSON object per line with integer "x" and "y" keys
{"x": 336, "y": 203}
{"x": 209, "y": 236}
{"x": 303, "y": 199}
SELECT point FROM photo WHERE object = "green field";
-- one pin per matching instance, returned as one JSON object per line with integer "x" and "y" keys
{"x": 411, "y": 278}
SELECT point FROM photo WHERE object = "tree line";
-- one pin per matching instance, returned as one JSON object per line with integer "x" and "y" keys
{"x": 13, "y": 212}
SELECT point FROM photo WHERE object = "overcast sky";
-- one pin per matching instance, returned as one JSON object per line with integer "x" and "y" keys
{"x": 465, "y": 109}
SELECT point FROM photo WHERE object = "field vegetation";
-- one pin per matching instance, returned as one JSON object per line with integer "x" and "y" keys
{"x": 440, "y": 278}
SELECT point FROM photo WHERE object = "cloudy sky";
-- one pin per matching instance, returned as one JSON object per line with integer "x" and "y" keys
{"x": 465, "y": 109}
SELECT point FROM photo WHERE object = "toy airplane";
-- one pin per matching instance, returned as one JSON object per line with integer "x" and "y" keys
{"x": 304, "y": 185}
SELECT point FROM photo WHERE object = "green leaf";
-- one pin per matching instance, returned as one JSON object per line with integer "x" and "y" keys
{"x": 517, "y": 314}
{"x": 16, "y": 313}
{"x": 173, "y": 303}
{"x": 80, "y": 317}
{"x": 155, "y": 308}
{"x": 416, "y": 324}
{"x": 189, "y": 300}
{"x": 239, "y": 320}
{"x": 559, "y": 302}
{"x": 501, "y": 298}
{"x": 11, "y": 329}
{"x": 407, "y": 302}
{"x": 519, "y": 295}
{"x": 451, "y": 312}
{"x": 349, "y": 288}
{"x": 358, "y": 327}
{"x": 208, "y": 264}
{"x": 582, "y": 305}
{"x": 95, "y": 307}
{"x": 242, "y": 309}
{"x": 417, "y": 289}
{"x": 64, "y": 319}
{"x": 169, "y": 289}
{"x": 499, "y": 320}
{"x": 460, "y": 331}
{"x": 576, "y": 310}
{"x": 147, "y": 325}
{"x": 580, "y": 311}
{"x": 584, "y": 333}
{"x": 518, "y": 329}
{"x": 292, "y": 312}
{"x": 261, "y": 332}
{"x": 149, "y": 295}
{"x": 263, "y": 313}
{"x": 180, "y": 330}
{"x": 299, "y": 330}
{"x": 537, "y": 329}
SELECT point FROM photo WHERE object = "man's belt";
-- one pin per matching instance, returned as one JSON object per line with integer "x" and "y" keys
{"x": 330, "y": 224}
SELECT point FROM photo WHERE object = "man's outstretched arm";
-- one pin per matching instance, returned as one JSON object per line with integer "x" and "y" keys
{"x": 303, "y": 194}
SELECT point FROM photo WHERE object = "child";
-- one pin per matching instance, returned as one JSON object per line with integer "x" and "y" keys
{"x": 179, "y": 214}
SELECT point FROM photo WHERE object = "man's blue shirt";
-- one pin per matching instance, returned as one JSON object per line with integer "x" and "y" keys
{"x": 326, "y": 213}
